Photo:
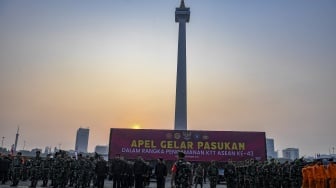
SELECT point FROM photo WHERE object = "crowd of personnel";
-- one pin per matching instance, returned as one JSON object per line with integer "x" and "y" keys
{"x": 62, "y": 170}
{"x": 273, "y": 174}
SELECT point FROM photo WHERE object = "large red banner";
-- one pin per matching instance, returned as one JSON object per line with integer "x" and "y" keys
{"x": 197, "y": 145}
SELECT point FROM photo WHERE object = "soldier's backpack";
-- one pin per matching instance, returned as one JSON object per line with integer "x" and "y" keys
{"x": 117, "y": 165}
{"x": 199, "y": 172}
{"x": 139, "y": 167}
{"x": 183, "y": 173}
{"x": 17, "y": 162}
{"x": 213, "y": 171}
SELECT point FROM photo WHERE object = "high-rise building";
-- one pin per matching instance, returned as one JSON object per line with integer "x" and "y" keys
{"x": 102, "y": 150}
{"x": 82, "y": 140}
{"x": 290, "y": 153}
{"x": 182, "y": 15}
{"x": 270, "y": 149}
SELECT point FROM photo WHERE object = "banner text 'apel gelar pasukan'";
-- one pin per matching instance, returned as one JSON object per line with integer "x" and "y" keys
{"x": 197, "y": 145}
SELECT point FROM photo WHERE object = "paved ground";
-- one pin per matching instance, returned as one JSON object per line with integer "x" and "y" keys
{"x": 108, "y": 184}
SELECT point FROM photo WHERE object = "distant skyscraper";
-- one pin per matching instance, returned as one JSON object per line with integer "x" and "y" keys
{"x": 290, "y": 153}
{"x": 270, "y": 149}
{"x": 82, "y": 140}
{"x": 103, "y": 150}
{"x": 182, "y": 15}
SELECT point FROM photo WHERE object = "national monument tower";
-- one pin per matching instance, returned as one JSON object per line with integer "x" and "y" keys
{"x": 182, "y": 15}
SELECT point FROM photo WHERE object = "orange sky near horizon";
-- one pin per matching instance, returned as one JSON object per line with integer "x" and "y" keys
{"x": 257, "y": 66}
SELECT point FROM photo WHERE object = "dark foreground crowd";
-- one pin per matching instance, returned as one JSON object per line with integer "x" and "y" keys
{"x": 273, "y": 174}
{"x": 255, "y": 174}
{"x": 62, "y": 170}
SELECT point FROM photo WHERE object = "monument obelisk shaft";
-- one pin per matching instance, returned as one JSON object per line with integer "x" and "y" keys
{"x": 182, "y": 15}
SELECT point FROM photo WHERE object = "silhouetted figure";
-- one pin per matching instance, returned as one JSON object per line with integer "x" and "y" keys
{"x": 160, "y": 173}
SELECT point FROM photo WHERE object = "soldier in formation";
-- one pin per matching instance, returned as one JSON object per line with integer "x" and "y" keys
{"x": 36, "y": 169}
{"x": 213, "y": 174}
{"x": 80, "y": 172}
{"x": 101, "y": 171}
{"x": 62, "y": 170}
{"x": 16, "y": 169}
{"x": 139, "y": 168}
{"x": 268, "y": 174}
{"x": 181, "y": 173}
{"x": 65, "y": 171}
{"x": 160, "y": 173}
{"x": 199, "y": 173}
{"x": 117, "y": 168}
{"x": 5, "y": 163}
{"x": 46, "y": 170}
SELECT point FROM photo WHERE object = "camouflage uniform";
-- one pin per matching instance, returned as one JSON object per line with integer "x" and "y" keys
{"x": 160, "y": 172}
{"x": 182, "y": 171}
{"x": 59, "y": 171}
{"x": 46, "y": 170}
{"x": 100, "y": 171}
{"x": 4, "y": 168}
{"x": 139, "y": 168}
{"x": 213, "y": 174}
{"x": 86, "y": 174}
{"x": 16, "y": 169}
{"x": 25, "y": 172}
{"x": 252, "y": 175}
{"x": 79, "y": 172}
{"x": 72, "y": 173}
{"x": 117, "y": 170}
{"x": 295, "y": 173}
{"x": 67, "y": 172}
{"x": 230, "y": 175}
{"x": 285, "y": 172}
{"x": 129, "y": 174}
{"x": 35, "y": 170}
{"x": 91, "y": 174}
{"x": 199, "y": 176}
{"x": 52, "y": 171}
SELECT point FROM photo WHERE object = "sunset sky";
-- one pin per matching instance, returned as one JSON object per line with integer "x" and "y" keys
{"x": 251, "y": 66}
